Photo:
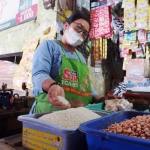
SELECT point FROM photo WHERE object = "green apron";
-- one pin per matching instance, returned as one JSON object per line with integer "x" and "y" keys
{"x": 74, "y": 78}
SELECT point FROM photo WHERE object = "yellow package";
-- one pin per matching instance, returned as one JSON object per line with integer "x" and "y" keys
{"x": 141, "y": 23}
{"x": 142, "y": 15}
{"x": 128, "y": 2}
{"x": 105, "y": 54}
{"x": 129, "y": 14}
{"x": 149, "y": 18}
{"x": 129, "y": 24}
{"x": 141, "y": 4}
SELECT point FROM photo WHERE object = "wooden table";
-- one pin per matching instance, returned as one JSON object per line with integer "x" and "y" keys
{"x": 9, "y": 125}
{"x": 11, "y": 143}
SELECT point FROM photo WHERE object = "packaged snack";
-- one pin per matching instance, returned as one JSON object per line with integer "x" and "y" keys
{"x": 147, "y": 51}
{"x": 142, "y": 36}
{"x": 133, "y": 37}
{"x": 142, "y": 23}
{"x": 142, "y": 4}
{"x": 129, "y": 24}
{"x": 129, "y": 15}
{"x": 127, "y": 36}
{"x": 101, "y": 22}
{"x": 126, "y": 61}
{"x": 142, "y": 14}
{"x": 139, "y": 52}
{"x": 148, "y": 36}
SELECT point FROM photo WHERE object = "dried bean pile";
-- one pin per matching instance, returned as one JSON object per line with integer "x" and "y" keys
{"x": 138, "y": 126}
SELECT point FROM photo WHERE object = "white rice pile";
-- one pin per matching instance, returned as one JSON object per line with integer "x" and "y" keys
{"x": 70, "y": 118}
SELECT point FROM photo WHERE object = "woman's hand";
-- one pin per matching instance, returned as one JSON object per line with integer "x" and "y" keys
{"x": 53, "y": 92}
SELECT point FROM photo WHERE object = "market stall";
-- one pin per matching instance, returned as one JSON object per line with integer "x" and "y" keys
{"x": 119, "y": 44}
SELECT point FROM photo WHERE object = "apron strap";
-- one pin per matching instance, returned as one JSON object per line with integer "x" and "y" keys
{"x": 78, "y": 55}
{"x": 65, "y": 52}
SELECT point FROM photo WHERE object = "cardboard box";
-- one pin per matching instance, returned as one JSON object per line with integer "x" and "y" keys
{"x": 135, "y": 79}
{"x": 139, "y": 86}
{"x": 138, "y": 68}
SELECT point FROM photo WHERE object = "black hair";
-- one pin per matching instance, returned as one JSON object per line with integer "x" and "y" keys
{"x": 76, "y": 16}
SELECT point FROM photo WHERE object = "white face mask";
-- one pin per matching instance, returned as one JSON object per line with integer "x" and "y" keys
{"x": 73, "y": 38}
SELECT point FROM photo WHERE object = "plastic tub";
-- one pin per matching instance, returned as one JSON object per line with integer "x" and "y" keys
{"x": 41, "y": 135}
{"x": 100, "y": 140}
{"x": 98, "y": 108}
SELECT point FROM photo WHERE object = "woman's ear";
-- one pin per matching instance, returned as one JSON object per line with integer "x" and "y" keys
{"x": 66, "y": 25}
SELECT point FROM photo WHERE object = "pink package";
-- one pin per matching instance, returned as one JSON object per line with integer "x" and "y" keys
{"x": 142, "y": 36}
{"x": 101, "y": 22}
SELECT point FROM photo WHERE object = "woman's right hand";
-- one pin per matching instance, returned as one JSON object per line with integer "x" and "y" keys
{"x": 53, "y": 92}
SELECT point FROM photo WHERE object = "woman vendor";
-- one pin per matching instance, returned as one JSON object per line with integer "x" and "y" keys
{"x": 59, "y": 69}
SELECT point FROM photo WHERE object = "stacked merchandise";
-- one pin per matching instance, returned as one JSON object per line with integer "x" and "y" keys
{"x": 133, "y": 43}
{"x": 137, "y": 74}
{"x": 101, "y": 30}
{"x": 136, "y": 27}
{"x": 100, "y": 49}
{"x": 101, "y": 22}
{"x": 23, "y": 72}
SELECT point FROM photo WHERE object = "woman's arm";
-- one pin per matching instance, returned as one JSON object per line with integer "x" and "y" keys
{"x": 42, "y": 81}
{"x": 41, "y": 67}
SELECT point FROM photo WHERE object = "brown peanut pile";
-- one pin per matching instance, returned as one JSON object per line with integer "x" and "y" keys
{"x": 138, "y": 126}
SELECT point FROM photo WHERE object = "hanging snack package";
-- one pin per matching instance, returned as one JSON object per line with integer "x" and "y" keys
{"x": 122, "y": 54}
{"x": 105, "y": 49}
{"x": 101, "y": 48}
{"x": 105, "y": 19}
{"x": 142, "y": 14}
{"x": 129, "y": 24}
{"x": 139, "y": 52}
{"x": 96, "y": 49}
{"x": 126, "y": 61}
{"x": 141, "y": 23}
{"x": 103, "y": 54}
{"x": 148, "y": 36}
{"x": 133, "y": 37}
{"x": 142, "y": 36}
{"x": 149, "y": 17}
{"x": 95, "y": 21}
{"x": 129, "y": 15}
{"x": 147, "y": 51}
{"x": 101, "y": 22}
{"x": 128, "y": 36}
{"x": 127, "y": 52}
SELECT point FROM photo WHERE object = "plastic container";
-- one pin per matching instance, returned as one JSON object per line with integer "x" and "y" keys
{"x": 98, "y": 108}
{"x": 100, "y": 140}
{"x": 39, "y": 135}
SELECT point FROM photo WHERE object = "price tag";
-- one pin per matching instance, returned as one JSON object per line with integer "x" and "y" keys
{"x": 96, "y": 70}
